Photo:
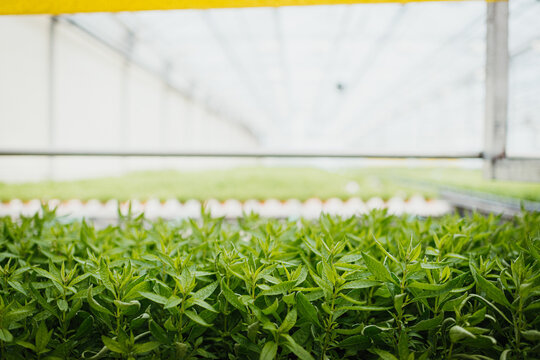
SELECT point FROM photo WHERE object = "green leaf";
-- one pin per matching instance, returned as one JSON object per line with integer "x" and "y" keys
{"x": 403, "y": 345}
{"x": 75, "y": 307}
{"x": 360, "y": 284}
{"x": 271, "y": 308}
{"x": 306, "y": 309}
{"x": 385, "y": 355}
{"x": 326, "y": 286}
{"x": 85, "y": 327}
{"x": 18, "y": 314}
{"x": 18, "y": 286}
{"x": 112, "y": 345}
{"x": 25, "y": 344}
{"x": 205, "y": 291}
{"x": 492, "y": 292}
{"x": 95, "y": 305}
{"x": 154, "y": 297}
{"x": 128, "y": 308}
{"x": 196, "y": 318}
{"x": 204, "y": 305}
{"x": 379, "y": 245}
{"x": 5, "y": 335}
{"x": 104, "y": 276}
{"x": 377, "y": 269}
{"x": 134, "y": 290}
{"x": 41, "y": 301}
{"x": 145, "y": 347}
{"x": 298, "y": 350}
{"x": 158, "y": 332}
{"x": 532, "y": 248}
{"x": 79, "y": 278}
{"x": 288, "y": 322}
{"x": 231, "y": 297}
{"x": 504, "y": 354}
{"x": 531, "y": 335}
{"x": 357, "y": 342}
{"x": 364, "y": 308}
{"x": 302, "y": 275}
{"x": 458, "y": 333}
{"x": 62, "y": 305}
{"x": 280, "y": 289}
{"x": 42, "y": 337}
{"x": 349, "y": 258}
{"x": 171, "y": 302}
{"x": 452, "y": 304}
{"x": 269, "y": 351}
{"x": 47, "y": 274}
{"x": 428, "y": 324}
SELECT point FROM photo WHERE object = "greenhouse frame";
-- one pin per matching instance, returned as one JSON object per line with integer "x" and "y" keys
{"x": 497, "y": 165}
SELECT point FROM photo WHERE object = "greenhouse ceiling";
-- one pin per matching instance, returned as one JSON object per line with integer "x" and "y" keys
{"x": 357, "y": 76}
{"x": 341, "y": 76}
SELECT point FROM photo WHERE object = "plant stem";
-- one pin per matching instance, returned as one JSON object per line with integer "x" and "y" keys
{"x": 329, "y": 324}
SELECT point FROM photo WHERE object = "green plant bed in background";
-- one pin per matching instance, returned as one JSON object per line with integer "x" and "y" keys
{"x": 269, "y": 182}
{"x": 368, "y": 287}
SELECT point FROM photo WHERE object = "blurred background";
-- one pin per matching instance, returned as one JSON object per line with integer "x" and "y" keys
{"x": 383, "y": 79}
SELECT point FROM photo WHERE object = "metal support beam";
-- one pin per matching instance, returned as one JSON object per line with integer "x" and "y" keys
{"x": 236, "y": 154}
{"x": 51, "y": 90}
{"x": 125, "y": 116}
{"x": 496, "y": 101}
{"x": 164, "y": 107}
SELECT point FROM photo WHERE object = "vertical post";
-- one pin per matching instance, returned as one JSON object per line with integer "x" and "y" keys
{"x": 51, "y": 88}
{"x": 496, "y": 101}
{"x": 124, "y": 98}
{"x": 125, "y": 116}
{"x": 164, "y": 106}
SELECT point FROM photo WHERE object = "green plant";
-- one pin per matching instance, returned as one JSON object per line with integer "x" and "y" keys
{"x": 375, "y": 286}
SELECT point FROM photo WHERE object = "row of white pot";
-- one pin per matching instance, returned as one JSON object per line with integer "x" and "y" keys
{"x": 173, "y": 209}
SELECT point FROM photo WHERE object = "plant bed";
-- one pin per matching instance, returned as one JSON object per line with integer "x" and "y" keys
{"x": 369, "y": 287}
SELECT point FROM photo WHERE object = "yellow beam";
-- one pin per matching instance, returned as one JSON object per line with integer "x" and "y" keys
{"x": 21, "y": 7}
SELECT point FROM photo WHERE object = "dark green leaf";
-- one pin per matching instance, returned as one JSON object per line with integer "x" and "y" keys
{"x": 306, "y": 309}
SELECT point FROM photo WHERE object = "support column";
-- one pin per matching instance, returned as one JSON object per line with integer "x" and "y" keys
{"x": 496, "y": 100}
{"x": 125, "y": 95}
{"x": 125, "y": 116}
{"x": 164, "y": 107}
{"x": 51, "y": 89}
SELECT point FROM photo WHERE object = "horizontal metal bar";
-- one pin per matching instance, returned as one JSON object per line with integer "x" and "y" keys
{"x": 487, "y": 203}
{"x": 235, "y": 154}
{"x": 474, "y": 200}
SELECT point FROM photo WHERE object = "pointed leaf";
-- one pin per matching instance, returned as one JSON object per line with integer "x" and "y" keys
{"x": 298, "y": 350}
{"x": 145, "y": 347}
{"x": 95, "y": 305}
{"x": 196, "y": 318}
{"x": 205, "y": 291}
{"x": 269, "y": 351}
{"x": 306, "y": 309}
{"x": 231, "y": 297}
{"x": 376, "y": 268}
{"x": 112, "y": 345}
{"x": 288, "y": 322}
{"x": 154, "y": 297}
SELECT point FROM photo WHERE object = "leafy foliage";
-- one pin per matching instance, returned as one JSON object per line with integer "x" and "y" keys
{"x": 370, "y": 287}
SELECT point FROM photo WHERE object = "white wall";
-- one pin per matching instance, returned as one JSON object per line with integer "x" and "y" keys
{"x": 23, "y": 88}
{"x": 99, "y": 101}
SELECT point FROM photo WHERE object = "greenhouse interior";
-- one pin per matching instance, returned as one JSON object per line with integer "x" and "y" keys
{"x": 270, "y": 179}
